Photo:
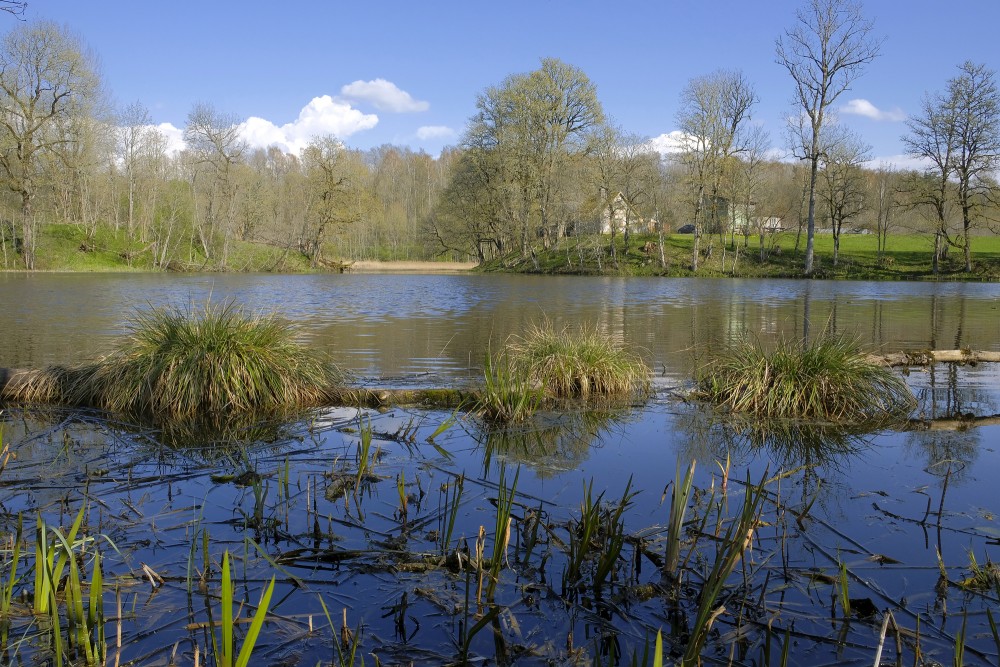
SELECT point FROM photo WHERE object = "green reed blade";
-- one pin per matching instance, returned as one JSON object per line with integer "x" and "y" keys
{"x": 227, "y": 613}
{"x": 250, "y": 640}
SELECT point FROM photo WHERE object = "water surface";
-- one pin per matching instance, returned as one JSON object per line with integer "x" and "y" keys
{"x": 885, "y": 504}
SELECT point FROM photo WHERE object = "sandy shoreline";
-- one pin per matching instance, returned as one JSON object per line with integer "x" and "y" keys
{"x": 411, "y": 267}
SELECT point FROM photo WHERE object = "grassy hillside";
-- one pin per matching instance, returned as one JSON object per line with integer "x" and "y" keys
{"x": 69, "y": 248}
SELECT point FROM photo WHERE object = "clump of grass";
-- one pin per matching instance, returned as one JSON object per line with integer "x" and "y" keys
{"x": 219, "y": 361}
{"x": 569, "y": 363}
{"x": 827, "y": 379}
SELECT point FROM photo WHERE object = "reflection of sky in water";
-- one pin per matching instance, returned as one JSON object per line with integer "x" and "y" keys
{"x": 870, "y": 501}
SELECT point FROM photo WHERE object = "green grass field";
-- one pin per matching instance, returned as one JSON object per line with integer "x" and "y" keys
{"x": 907, "y": 257}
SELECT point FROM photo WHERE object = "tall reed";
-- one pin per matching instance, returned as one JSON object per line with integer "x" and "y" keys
{"x": 596, "y": 538}
{"x": 732, "y": 546}
{"x": 507, "y": 397}
{"x": 680, "y": 493}
{"x": 224, "y": 649}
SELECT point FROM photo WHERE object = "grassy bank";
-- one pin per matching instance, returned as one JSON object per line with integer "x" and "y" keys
{"x": 907, "y": 257}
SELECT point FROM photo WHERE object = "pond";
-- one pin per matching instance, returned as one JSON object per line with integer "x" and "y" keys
{"x": 373, "y": 533}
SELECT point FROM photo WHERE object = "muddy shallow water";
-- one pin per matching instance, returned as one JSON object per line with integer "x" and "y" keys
{"x": 882, "y": 504}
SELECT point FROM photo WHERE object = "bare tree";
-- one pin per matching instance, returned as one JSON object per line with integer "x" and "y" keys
{"x": 748, "y": 183}
{"x": 14, "y": 7}
{"x": 215, "y": 144}
{"x": 713, "y": 119}
{"x": 825, "y": 51}
{"x": 140, "y": 147}
{"x": 885, "y": 193}
{"x": 958, "y": 134}
{"x": 977, "y": 120}
{"x": 843, "y": 191}
{"x": 46, "y": 77}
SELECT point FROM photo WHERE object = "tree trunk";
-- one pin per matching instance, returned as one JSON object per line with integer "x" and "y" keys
{"x": 27, "y": 231}
{"x": 811, "y": 220}
{"x": 928, "y": 357}
{"x": 966, "y": 224}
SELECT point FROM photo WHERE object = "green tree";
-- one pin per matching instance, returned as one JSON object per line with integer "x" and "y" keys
{"x": 824, "y": 52}
{"x": 47, "y": 79}
{"x": 477, "y": 211}
{"x": 523, "y": 137}
{"x": 336, "y": 197}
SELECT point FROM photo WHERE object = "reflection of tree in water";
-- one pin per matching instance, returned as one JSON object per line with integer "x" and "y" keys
{"x": 950, "y": 392}
{"x": 166, "y": 443}
{"x": 549, "y": 442}
{"x": 822, "y": 451}
{"x": 954, "y": 450}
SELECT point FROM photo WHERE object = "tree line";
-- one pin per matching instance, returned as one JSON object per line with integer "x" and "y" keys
{"x": 538, "y": 162}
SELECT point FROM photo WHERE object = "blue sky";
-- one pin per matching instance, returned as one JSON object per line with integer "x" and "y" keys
{"x": 408, "y": 73}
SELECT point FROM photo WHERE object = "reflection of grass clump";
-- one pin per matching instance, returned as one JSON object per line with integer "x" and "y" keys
{"x": 577, "y": 363}
{"x": 174, "y": 365}
{"x": 827, "y": 379}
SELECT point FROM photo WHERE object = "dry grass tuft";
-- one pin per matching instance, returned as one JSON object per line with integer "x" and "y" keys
{"x": 827, "y": 379}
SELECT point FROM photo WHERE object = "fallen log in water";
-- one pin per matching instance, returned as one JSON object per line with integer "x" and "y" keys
{"x": 961, "y": 423}
{"x": 928, "y": 357}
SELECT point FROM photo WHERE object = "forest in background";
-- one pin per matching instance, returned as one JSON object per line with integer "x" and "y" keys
{"x": 539, "y": 168}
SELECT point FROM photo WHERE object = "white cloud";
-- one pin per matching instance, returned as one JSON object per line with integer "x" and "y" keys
{"x": 323, "y": 115}
{"x": 670, "y": 142}
{"x": 428, "y": 132}
{"x": 174, "y": 137}
{"x": 862, "y": 107}
{"x": 384, "y": 95}
{"x": 903, "y": 162}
